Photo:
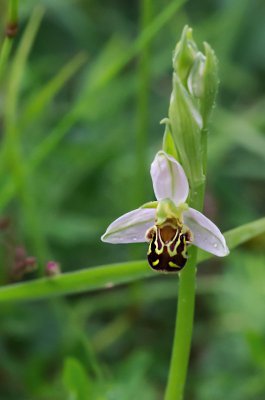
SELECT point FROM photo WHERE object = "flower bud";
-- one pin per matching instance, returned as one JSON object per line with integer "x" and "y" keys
{"x": 203, "y": 81}
{"x": 195, "y": 79}
{"x": 186, "y": 125}
{"x": 52, "y": 268}
{"x": 195, "y": 84}
{"x": 184, "y": 55}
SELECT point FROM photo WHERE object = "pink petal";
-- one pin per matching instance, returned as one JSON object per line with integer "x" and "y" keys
{"x": 206, "y": 235}
{"x": 130, "y": 227}
{"x": 169, "y": 179}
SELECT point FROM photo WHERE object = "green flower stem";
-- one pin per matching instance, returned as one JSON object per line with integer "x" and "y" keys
{"x": 11, "y": 29}
{"x": 183, "y": 331}
{"x": 186, "y": 299}
{"x": 184, "y": 317}
{"x": 13, "y": 11}
{"x": 4, "y": 54}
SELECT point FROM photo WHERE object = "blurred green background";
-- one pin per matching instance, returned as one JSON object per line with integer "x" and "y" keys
{"x": 80, "y": 103}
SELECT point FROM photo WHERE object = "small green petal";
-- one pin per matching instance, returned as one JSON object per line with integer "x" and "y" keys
{"x": 184, "y": 55}
{"x": 150, "y": 204}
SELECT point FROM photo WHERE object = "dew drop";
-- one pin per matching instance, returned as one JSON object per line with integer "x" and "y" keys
{"x": 215, "y": 245}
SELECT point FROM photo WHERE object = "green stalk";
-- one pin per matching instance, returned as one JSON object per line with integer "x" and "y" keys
{"x": 186, "y": 300}
{"x": 13, "y": 11}
{"x": 184, "y": 318}
{"x": 10, "y": 33}
{"x": 186, "y": 303}
{"x": 4, "y": 53}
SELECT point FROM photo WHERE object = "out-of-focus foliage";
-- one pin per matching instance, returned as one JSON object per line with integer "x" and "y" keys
{"x": 232, "y": 365}
{"x": 69, "y": 101}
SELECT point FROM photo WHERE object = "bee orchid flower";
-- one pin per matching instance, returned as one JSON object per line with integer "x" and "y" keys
{"x": 168, "y": 224}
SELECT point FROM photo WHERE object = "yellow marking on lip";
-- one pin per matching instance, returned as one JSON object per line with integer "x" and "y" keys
{"x": 171, "y": 264}
{"x": 149, "y": 250}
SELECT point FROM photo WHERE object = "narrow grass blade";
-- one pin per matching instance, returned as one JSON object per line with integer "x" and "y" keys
{"x": 88, "y": 279}
{"x": 43, "y": 97}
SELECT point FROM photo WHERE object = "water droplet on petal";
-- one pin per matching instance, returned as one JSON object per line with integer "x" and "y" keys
{"x": 215, "y": 245}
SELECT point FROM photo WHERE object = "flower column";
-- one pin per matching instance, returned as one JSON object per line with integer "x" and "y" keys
{"x": 194, "y": 89}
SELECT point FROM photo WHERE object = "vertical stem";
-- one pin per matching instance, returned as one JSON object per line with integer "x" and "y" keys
{"x": 186, "y": 301}
{"x": 142, "y": 103}
{"x": 10, "y": 33}
{"x": 185, "y": 316}
{"x": 13, "y": 11}
{"x": 183, "y": 331}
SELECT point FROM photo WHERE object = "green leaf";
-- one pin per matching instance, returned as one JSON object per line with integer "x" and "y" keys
{"x": 76, "y": 380}
{"x": 18, "y": 65}
{"x": 106, "y": 276}
{"x": 243, "y": 233}
{"x": 43, "y": 97}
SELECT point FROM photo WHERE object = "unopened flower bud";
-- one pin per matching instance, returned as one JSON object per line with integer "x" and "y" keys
{"x": 195, "y": 84}
{"x": 186, "y": 124}
{"x": 195, "y": 79}
{"x": 203, "y": 80}
{"x": 52, "y": 268}
{"x": 184, "y": 55}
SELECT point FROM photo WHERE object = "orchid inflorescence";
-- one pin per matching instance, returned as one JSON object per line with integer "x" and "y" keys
{"x": 168, "y": 224}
